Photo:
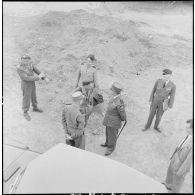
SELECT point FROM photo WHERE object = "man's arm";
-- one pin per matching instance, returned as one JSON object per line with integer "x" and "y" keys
{"x": 153, "y": 91}
{"x": 172, "y": 96}
{"x": 23, "y": 75}
{"x": 80, "y": 126}
{"x": 81, "y": 122}
{"x": 121, "y": 111}
{"x": 64, "y": 121}
{"x": 78, "y": 78}
{"x": 36, "y": 70}
{"x": 186, "y": 165}
{"x": 42, "y": 76}
{"x": 95, "y": 78}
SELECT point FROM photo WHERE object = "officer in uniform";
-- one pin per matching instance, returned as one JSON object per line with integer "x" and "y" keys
{"x": 88, "y": 76}
{"x": 114, "y": 116}
{"x": 87, "y": 102}
{"x": 88, "y": 73}
{"x": 26, "y": 72}
{"x": 180, "y": 161}
{"x": 73, "y": 122}
{"x": 161, "y": 99}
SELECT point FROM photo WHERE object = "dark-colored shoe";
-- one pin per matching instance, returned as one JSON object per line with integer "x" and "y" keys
{"x": 145, "y": 129}
{"x": 108, "y": 152}
{"x": 104, "y": 145}
{"x": 158, "y": 129}
{"x": 168, "y": 188}
{"x": 37, "y": 110}
{"x": 27, "y": 116}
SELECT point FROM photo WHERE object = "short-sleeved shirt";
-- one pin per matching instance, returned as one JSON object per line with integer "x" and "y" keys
{"x": 87, "y": 73}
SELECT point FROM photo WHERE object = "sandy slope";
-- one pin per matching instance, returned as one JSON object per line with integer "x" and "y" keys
{"x": 137, "y": 49}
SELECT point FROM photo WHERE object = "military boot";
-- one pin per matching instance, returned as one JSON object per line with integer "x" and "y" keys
{"x": 108, "y": 152}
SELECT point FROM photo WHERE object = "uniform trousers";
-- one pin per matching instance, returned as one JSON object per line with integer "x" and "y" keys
{"x": 111, "y": 137}
{"x": 156, "y": 108}
{"x": 174, "y": 181}
{"x": 29, "y": 93}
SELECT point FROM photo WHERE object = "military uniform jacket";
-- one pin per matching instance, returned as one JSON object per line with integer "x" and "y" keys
{"x": 73, "y": 121}
{"x": 115, "y": 113}
{"x": 26, "y": 73}
{"x": 88, "y": 74}
{"x": 181, "y": 159}
{"x": 160, "y": 93}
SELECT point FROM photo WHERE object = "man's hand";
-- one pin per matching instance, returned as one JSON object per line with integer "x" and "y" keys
{"x": 68, "y": 137}
{"x": 47, "y": 80}
{"x": 41, "y": 76}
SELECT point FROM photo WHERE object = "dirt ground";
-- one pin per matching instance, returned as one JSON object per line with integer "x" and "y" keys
{"x": 135, "y": 41}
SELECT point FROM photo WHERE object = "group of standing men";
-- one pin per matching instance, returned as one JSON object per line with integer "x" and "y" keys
{"x": 75, "y": 115}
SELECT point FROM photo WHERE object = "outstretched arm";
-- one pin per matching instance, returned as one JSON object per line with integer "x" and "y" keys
{"x": 36, "y": 70}
{"x": 23, "y": 75}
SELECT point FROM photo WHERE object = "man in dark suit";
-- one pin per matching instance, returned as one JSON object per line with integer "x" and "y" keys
{"x": 161, "y": 98}
{"x": 114, "y": 116}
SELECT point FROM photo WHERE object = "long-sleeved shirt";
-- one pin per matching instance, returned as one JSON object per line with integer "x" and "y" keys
{"x": 26, "y": 72}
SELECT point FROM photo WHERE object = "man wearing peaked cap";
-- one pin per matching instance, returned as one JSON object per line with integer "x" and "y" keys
{"x": 73, "y": 122}
{"x": 77, "y": 96}
{"x": 167, "y": 72}
{"x": 116, "y": 87}
{"x": 88, "y": 79}
{"x": 26, "y": 72}
{"x": 161, "y": 99}
{"x": 114, "y": 116}
{"x": 91, "y": 56}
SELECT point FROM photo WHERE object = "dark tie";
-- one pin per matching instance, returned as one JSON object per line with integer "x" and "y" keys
{"x": 164, "y": 84}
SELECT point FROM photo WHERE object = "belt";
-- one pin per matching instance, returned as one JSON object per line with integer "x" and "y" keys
{"x": 69, "y": 131}
{"x": 112, "y": 114}
{"x": 87, "y": 82}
